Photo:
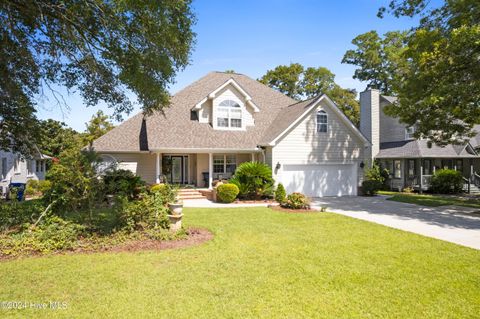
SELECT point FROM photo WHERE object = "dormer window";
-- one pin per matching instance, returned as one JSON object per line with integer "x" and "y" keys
{"x": 229, "y": 114}
{"x": 409, "y": 132}
{"x": 322, "y": 122}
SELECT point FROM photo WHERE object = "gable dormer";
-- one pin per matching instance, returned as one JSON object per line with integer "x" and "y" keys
{"x": 228, "y": 107}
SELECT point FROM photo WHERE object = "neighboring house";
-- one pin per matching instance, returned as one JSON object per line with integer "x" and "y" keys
{"x": 411, "y": 162}
{"x": 15, "y": 169}
{"x": 224, "y": 119}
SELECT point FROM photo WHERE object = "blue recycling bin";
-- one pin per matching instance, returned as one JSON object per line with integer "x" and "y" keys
{"x": 20, "y": 189}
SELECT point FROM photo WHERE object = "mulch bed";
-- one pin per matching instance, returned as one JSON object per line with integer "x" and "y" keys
{"x": 196, "y": 236}
{"x": 262, "y": 201}
{"x": 294, "y": 211}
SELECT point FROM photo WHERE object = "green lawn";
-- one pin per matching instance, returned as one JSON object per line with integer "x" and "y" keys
{"x": 432, "y": 200}
{"x": 261, "y": 264}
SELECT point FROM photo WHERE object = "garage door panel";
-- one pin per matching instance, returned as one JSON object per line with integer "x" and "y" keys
{"x": 320, "y": 180}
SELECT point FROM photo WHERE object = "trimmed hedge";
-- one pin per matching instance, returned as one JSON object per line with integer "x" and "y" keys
{"x": 371, "y": 187}
{"x": 280, "y": 193}
{"x": 227, "y": 192}
{"x": 447, "y": 181}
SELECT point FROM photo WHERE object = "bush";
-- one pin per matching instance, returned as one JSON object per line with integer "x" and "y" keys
{"x": 148, "y": 212}
{"x": 16, "y": 213}
{"x": 371, "y": 187}
{"x": 376, "y": 173}
{"x": 447, "y": 181}
{"x": 52, "y": 234}
{"x": 280, "y": 193}
{"x": 166, "y": 193}
{"x": 296, "y": 201}
{"x": 227, "y": 192}
{"x": 35, "y": 187}
{"x": 254, "y": 180}
{"x": 123, "y": 182}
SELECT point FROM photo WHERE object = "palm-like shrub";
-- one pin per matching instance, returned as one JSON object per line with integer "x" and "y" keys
{"x": 254, "y": 180}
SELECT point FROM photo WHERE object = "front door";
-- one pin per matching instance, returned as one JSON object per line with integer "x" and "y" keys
{"x": 175, "y": 168}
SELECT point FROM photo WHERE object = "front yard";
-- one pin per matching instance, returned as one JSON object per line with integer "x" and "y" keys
{"x": 432, "y": 200}
{"x": 261, "y": 263}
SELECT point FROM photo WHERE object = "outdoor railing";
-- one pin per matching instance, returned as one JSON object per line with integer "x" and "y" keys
{"x": 426, "y": 180}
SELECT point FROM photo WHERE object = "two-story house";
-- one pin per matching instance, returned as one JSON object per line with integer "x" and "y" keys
{"x": 224, "y": 119}
{"x": 411, "y": 162}
{"x": 16, "y": 169}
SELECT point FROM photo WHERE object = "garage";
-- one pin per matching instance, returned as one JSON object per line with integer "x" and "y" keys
{"x": 320, "y": 180}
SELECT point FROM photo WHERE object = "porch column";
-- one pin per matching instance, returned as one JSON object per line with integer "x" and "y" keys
{"x": 210, "y": 170}
{"x": 253, "y": 157}
{"x": 157, "y": 168}
{"x": 421, "y": 176}
{"x": 471, "y": 169}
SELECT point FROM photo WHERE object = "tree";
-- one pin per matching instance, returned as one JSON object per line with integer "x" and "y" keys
{"x": 379, "y": 59}
{"x": 102, "y": 49}
{"x": 298, "y": 82}
{"x": 57, "y": 137}
{"x": 98, "y": 126}
{"x": 438, "y": 81}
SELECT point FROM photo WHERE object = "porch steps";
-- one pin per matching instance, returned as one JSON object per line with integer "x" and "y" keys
{"x": 474, "y": 189}
{"x": 188, "y": 193}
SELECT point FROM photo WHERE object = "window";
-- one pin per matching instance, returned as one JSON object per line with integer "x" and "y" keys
{"x": 29, "y": 167}
{"x": 16, "y": 165}
{"x": 411, "y": 168}
{"x": 459, "y": 165}
{"x": 218, "y": 163}
{"x": 223, "y": 164}
{"x": 322, "y": 122}
{"x": 229, "y": 114}
{"x": 230, "y": 164}
{"x": 397, "y": 169}
{"x": 427, "y": 167}
{"x": 409, "y": 131}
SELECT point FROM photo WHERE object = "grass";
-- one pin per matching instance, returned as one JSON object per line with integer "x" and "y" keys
{"x": 432, "y": 200}
{"x": 261, "y": 264}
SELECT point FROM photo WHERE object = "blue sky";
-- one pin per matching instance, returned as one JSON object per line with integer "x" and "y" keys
{"x": 252, "y": 37}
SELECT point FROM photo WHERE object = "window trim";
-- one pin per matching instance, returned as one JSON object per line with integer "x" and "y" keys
{"x": 230, "y": 109}
{"x": 224, "y": 162}
{"x": 318, "y": 124}
{"x": 395, "y": 170}
{"x": 409, "y": 135}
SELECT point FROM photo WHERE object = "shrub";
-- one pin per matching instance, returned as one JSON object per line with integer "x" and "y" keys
{"x": 254, "y": 180}
{"x": 376, "y": 173}
{"x": 165, "y": 193}
{"x": 280, "y": 193}
{"x": 296, "y": 201}
{"x": 371, "y": 187}
{"x": 16, "y": 213}
{"x": 227, "y": 192}
{"x": 123, "y": 182}
{"x": 35, "y": 187}
{"x": 447, "y": 181}
{"x": 148, "y": 212}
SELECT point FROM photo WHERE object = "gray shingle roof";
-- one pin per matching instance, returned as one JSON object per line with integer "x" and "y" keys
{"x": 419, "y": 148}
{"x": 174, "y": 129}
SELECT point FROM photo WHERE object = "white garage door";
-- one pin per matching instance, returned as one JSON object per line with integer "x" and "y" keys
{"x": 320, "y": 180}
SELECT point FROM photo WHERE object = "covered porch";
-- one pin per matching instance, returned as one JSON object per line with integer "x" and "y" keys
{"x": 199, "y": 169}
{"x": 417, "y": 172}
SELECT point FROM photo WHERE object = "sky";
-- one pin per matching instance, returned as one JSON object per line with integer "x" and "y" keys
{"x": 251, "y": 37}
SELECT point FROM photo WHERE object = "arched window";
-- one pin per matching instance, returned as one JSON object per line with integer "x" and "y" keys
{"x": 322, "y": 122}
{"x": 229, "y": 114}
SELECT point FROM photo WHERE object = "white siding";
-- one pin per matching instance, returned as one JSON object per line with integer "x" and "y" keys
{"x": 141, "y": 164}
{"x": 303, "y": 145}
{"x": 21, "y": 175}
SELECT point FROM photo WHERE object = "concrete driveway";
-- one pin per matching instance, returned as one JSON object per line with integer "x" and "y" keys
{"x": 450, "y": 223}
